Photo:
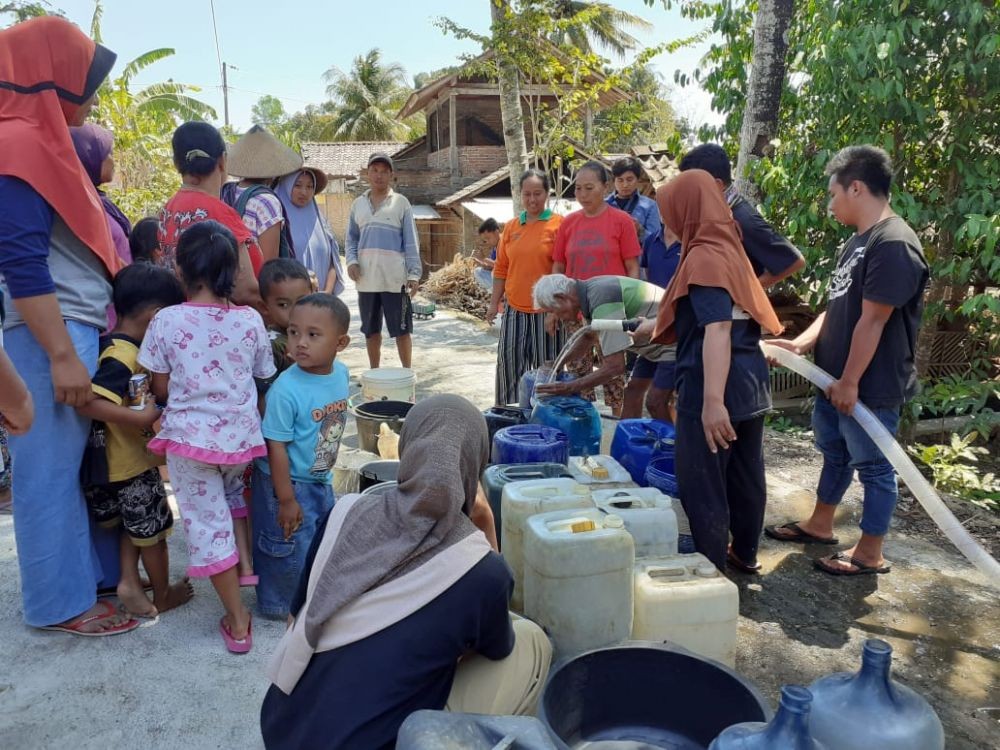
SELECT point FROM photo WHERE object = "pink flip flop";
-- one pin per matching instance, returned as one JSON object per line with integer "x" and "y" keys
{"x": 249, "y": 580}
{"x": 241, "y": 646}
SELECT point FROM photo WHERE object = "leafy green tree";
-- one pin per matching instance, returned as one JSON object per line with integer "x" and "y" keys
{"x": 22, "y": 11}
{"x": 645, "y": 117}
{"x": 269, "y": 113}
{"x": 143, "y": 122}
{"x": 597, "y": 24}
{"x": 368, "y": 99}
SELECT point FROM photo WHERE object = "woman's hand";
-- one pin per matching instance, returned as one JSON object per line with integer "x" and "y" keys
{"x": 71, "y": 381}
{"x": 552, "y": 324}
{"x": 17, "y": 419}
{"x": 719, "y": 432}
{"x": 556, "y": 388}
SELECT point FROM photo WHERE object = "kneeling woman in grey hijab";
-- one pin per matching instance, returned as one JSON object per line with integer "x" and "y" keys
{"x": 403, "y": 605}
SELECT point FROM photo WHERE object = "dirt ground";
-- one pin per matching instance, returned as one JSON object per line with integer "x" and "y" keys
{"x": 172, "y": 685}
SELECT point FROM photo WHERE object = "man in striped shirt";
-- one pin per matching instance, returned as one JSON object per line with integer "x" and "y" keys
{"x": 383, "y": 260}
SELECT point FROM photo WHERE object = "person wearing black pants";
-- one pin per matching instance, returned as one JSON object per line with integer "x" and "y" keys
{"x": 715, "y": 309}
{"x": 723, "y": 492}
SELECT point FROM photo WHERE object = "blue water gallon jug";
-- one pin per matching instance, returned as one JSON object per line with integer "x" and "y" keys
{"x": 434, "y": 730}
{"x": 497, "y": 476}
{"x": 498, "y": 417}
{"x": 530, "y": 444}
{"x": 636, "y": 441}
{"x": 575, "y": 416}
{"x": 788, "y": 730}
{"x": 526, "y": 385}
{"x": 870, "y": 710}
{"x": 660, "y": 474}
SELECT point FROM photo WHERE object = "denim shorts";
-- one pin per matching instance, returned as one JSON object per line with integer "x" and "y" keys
{"x": 277, "y": 561}
{"x": 846, "y": 448}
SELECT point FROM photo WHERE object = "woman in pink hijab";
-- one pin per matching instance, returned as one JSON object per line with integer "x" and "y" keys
{"x": 94, "y": 145}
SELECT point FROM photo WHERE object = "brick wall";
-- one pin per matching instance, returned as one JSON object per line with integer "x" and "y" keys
{"x": 473, "y": 161}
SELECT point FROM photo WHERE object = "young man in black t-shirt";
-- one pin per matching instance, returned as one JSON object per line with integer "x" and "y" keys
{"x": 772, "y": 256}
{"x": 867, "y": 340}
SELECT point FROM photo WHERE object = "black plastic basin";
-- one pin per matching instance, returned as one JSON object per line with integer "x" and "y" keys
{"x": 645, "y": 695}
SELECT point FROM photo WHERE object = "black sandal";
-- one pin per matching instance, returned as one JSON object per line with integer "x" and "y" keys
{"x": 799, "y": 535}
{"x": 741, "y": 566}
{"x": 861, "y": 569}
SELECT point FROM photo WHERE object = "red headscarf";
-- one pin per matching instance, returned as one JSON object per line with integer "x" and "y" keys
{"x": 48, "y": 69}
{"x": 712, "y": 254}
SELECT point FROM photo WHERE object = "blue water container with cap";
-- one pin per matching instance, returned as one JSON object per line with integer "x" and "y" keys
{"x": 574, "y": 415}
{"x": 637, "y": 441}
{"x": 871, "y": 710}
{"x": 788, "y": 730}
{"x": 530, "y": 444}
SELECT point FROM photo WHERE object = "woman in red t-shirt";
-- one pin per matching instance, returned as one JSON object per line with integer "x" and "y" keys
{"x": 597, "y": 240}
{"x": 200, "y": 157}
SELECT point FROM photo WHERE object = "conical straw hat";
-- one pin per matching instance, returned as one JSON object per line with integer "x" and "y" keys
{"x": 258, "y": 154}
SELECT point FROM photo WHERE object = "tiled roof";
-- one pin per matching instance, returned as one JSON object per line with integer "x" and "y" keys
{"x": 345, "y": 158}
{"x": 656, "y": 163}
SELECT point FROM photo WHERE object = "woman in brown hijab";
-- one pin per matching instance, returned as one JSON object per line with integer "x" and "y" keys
{"x": 715, "y": 309}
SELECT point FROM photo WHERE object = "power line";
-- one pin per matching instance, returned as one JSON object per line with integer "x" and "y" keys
{"x": 215, "y": 29}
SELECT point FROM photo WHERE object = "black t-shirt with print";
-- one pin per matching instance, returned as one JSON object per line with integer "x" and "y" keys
{"x": 766, "y": 249}
{"x": 747, "y": 393}
{"x": 886, "y": 265}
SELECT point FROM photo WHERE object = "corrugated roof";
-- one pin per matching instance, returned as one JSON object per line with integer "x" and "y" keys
{"x": 423, "y": 212}
{"x": 345, "y": 158}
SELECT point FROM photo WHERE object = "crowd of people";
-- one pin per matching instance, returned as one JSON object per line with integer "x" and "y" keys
{"x": 206, "y": 340}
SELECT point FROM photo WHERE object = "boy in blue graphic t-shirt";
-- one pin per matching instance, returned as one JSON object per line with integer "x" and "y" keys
{"x": 303, "y": 422}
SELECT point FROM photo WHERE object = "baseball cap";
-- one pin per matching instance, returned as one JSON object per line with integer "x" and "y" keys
{"x": 382, "y": 157}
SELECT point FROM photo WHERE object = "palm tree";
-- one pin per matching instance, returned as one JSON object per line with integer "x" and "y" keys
{"x": 602, "y": 25}
{"x": 369, "y": 96}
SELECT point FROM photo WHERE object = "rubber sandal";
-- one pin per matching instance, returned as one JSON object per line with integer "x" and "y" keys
{"x": 241, "y": 646}
{"x": 799, "y": 536}
{"x": 74, "y": 626}
{"x": 249, "y": 581}
{"x": 741, "y": 566}
{"x": 861, "y": 569}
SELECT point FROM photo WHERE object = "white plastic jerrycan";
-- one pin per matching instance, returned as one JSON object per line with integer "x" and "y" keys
{"x": 648, "y": 515}
{"x": 686, "y": 600}
{"x": 520, "y": 501}
{"x": 578, "y": 578}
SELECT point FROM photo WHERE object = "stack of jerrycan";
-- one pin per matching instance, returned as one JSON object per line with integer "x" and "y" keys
{"x": 578, "y": 578}
{"x": 686, "y": 600}
{"x": 520, "y": 501}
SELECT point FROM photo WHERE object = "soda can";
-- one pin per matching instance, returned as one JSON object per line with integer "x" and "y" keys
{"x": 138, "y": 391}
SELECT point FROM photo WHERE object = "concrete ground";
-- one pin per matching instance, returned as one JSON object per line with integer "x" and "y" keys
{"x": 172, "y": 684}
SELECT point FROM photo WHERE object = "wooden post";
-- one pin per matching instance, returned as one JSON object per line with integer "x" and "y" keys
{"x": 588, "y": 126}
{"x": 452, "y": 135}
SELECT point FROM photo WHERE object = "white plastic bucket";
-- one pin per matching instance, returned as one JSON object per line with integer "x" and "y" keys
{"x": 389, "y": 384}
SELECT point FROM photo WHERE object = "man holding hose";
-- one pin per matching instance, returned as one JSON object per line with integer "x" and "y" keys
{"x": 866, "y": 339}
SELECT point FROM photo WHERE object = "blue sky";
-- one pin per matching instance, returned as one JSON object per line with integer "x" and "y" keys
{"x": 282, "y": 48}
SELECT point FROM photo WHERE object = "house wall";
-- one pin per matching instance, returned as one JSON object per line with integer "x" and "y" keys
{"x": 473, "y": 161}
{"x": 336, "y": 207}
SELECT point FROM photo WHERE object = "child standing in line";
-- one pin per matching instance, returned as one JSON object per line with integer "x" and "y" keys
{"x": 303, "y": 424}
{"x": 123, "y": 485}
{"x": 203, "y": 356}
{"x": 282, "y": 281}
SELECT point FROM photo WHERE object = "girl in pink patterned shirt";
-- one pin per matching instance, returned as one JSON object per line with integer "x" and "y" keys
{"x": 203, "y": 356}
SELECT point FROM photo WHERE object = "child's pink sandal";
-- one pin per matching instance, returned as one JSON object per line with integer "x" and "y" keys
{"x": 241, "y": 646}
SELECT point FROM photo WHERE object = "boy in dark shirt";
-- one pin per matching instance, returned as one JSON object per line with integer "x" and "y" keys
{"x": 772, "y": 256}
{"x": 866, "y": 339}
{"x": 122, "y": 483}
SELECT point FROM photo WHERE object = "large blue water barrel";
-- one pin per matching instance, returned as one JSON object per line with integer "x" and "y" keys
{"x": 498, "y": 417}
{"x": 636, "y": 441}
{"x": 575, "y": 416}
{"x": 530, "y": 444}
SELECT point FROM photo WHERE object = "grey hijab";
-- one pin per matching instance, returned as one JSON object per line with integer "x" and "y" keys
{"x": 443, "y": 449}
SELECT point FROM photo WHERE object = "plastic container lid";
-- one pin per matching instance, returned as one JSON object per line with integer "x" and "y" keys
{"x": 706, "y": 570}
{"x": 611, "y": 521}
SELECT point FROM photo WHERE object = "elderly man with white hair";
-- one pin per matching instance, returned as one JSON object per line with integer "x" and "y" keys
{"x": 615, "y": 298}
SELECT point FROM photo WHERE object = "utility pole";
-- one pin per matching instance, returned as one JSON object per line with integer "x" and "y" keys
{"x": 225, "y": 94}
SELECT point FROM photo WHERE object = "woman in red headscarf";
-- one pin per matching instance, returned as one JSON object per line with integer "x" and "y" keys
{"x": 57, "y": 259}
{"x": 715, "y": 308}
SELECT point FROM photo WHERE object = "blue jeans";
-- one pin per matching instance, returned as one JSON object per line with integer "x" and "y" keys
{"x": 846, "y": 448}
{"x": 279, "y": 562}
{"x": 60, "y": 568}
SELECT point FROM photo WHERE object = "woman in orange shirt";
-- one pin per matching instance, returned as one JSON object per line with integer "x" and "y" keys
{"x": 524, "y": 255}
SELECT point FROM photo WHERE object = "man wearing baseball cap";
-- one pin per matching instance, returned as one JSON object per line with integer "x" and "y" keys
{"x": 383, "y": 260}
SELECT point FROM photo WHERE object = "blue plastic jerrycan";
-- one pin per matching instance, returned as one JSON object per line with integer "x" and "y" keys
{"x": 868, "y": 709}
{"x": 575, "y": 416}
{"x": 636, "y": 441}
{"x": 788, "y": 730}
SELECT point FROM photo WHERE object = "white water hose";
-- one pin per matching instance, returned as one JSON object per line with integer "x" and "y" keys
{"x": 918, "y": 485}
